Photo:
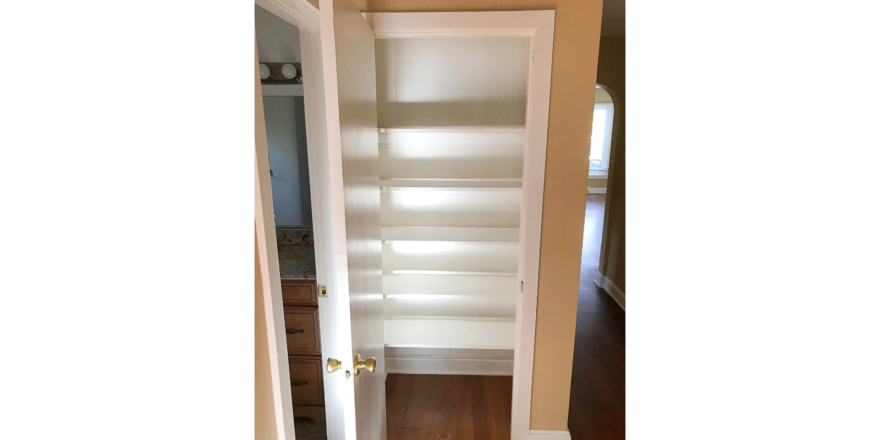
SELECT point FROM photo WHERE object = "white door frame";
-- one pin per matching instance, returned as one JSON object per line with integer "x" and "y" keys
{"x": 307, "y": 19}
{"x": 538, "y": 25}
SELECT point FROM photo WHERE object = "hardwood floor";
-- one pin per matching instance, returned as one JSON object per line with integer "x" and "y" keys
{"x": 432, "y": 407}
{"x": 598, "y": 381}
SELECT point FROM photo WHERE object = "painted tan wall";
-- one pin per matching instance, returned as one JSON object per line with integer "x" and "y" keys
{"x": 572, "y": 94}
{"x": 612, "y": 74}
{"x": 264, "y": 403}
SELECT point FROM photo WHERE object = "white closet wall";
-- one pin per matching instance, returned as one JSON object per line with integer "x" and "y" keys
{"x": 450, "y": 163}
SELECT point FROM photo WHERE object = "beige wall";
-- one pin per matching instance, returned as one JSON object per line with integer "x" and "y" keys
{"x": 575, "y": 54}
{"x": 603, "y": 96}
{"x": 612, "y": 74}
{"x": 264, "y": 403}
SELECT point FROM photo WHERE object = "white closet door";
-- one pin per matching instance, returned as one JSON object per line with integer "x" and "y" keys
{"x": 349, "y": 68}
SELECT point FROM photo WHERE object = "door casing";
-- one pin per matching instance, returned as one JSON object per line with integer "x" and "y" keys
{"x": 538, "y": 26}
{"x": 307, "y": 19}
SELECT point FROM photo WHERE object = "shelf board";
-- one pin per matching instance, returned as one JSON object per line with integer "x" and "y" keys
{"x": 454, "y": 285}
{"x": 427, "y": 296}
{"x": 450, "y": 307}
{"x": 448, "y": 272}
{"x": 451, "y": 234}
{"x": 451, "y": 184}
{"x": 449, "y": 135}
{"x": 477, "y": 333}
{"x": 448, "y": 318}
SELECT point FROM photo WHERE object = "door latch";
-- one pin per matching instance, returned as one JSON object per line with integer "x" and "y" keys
{"x": 322, "y": 291}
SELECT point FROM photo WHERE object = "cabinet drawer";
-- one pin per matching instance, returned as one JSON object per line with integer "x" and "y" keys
{"x": 306, "y": 381}
{"x": 302, "y": 331}
{"x": 299, "y": 293}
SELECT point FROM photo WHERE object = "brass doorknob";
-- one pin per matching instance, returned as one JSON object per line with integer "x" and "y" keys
{"x": 333, "y": 365}
{"x": 361, "y": 364}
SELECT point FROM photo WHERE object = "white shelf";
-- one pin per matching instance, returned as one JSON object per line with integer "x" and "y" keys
{"x": 451, "y": 200}
{"x": 451, "y": 234}
{"x": 471, "y": 209}
{"x": 450, "y": 257}
{"x": 448, "y": 272}
{"x": 453, "y": 135}
{"x": 446, "y": 306}
{"x": 503, "y": 286}
{"x": 450, "y": 333}
{"x": 447, "y": 318}
{"x": 451, "y": 184}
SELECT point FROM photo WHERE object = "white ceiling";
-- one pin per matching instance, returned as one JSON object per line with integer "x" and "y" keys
{"x": 613, "y": 18}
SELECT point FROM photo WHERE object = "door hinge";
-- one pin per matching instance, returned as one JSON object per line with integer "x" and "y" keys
{"x": 322, "y": 291}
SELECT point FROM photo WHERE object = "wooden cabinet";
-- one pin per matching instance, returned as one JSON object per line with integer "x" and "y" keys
{"x": 306, "y": 381}
{"x": 304, "y": 348}
{"x": 299, "y": 293}
{"x": 302, "y": 331}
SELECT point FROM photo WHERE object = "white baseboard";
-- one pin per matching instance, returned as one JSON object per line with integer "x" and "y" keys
{"x": 613, "y": 291}
{"x": 536, "y": 434}
{"x": 598, "y": 279}
{"x": 455, "y": 361}
{"x": 597, "y": 190}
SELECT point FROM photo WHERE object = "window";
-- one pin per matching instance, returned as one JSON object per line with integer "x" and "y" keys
{"x": 600, "y": 143}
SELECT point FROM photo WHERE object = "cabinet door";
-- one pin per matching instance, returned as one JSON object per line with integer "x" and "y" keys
{"x": 302, "y": 331}
{"x": 299, "y": 293}
{"x": 306, "y": 381}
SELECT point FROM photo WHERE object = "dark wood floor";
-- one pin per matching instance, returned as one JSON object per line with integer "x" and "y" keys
{"x": 598, "y": 379}
{"x": 432, "y": 407}
{"x": 428, "y": 407}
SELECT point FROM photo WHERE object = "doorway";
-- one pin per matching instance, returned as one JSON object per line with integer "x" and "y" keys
{"x": 281, "y": 83}
{"x": 597, "y": 400}
{"x": 461, "y": 242}
{"x": 478, "y": 211}
{"x": 452, "y": 115}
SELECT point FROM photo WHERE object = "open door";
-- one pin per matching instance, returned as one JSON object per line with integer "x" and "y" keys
{"x": 340, "y": 98}
{"x": 349, "y": 76}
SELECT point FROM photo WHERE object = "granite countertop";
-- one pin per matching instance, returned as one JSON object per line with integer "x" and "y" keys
{"x": 296, "y": 253}
{"x": 295, "y": 276}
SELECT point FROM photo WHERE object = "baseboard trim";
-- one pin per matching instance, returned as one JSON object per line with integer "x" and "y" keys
{"x": 451, "y": 361}
{"x": 598, "y": 279}
{"x": 612, "y": 290}
{"x": 597, "y": 190}
{"x": 537, "y": 434}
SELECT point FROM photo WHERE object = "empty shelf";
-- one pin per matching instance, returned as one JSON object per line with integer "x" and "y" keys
{"x": 451, "y": 332}
{"x": 451, "y": 234}
{"x": 451, "y": 184}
